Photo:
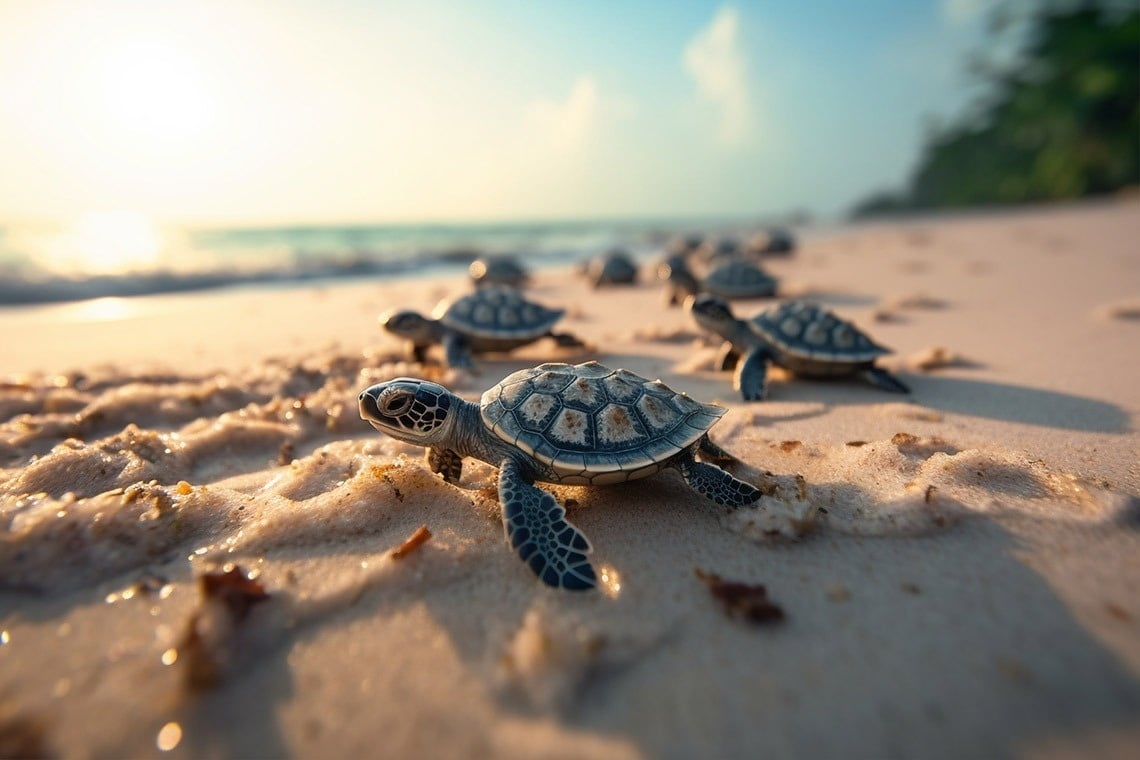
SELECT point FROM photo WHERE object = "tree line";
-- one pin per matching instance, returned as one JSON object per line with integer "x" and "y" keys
{"x": 1061, "y": 121}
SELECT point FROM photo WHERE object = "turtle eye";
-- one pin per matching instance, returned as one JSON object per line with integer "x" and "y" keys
{"x": 394, "y": 402}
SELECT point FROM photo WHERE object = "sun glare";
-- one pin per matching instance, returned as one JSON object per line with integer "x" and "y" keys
{"x": 155, "y": 92}
{"x": 110, "y": 242}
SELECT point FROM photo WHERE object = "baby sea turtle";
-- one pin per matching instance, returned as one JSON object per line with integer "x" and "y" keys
{"x": 735, "y": 279}
{"x": 498, "y": 270}
{"x": 488, "y": 320}
{"x": 612, "y": 268}
{"x": 582, "y": 424}
{"x": 803, "y": 338}
{"x": 776, "y": 241}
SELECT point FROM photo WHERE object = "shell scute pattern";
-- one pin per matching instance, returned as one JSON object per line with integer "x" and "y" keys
{"x": 656, "y": 412}
{"x": 592, "y": 424}
{"x": 512, "y": 394}
{"x": 497, "y": 312}
{"x": 623, "y": 386}
{"x": 616, "y": 425}
{"x": 571, "y": 429}
{"x": 807, "y": 330}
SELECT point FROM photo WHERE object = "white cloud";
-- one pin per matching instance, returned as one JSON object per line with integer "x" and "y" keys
{"x": 963, "y": 12}
{"x": 565, "y": 125}
{"x": 715, "y": 61}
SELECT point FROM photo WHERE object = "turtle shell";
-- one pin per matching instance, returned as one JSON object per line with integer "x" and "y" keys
{"x": 803, "y": 329}
{"x": 592, "y": 424}
{"x": 739, "y": 279}
{"x": 499, "y": 313}
{"x": 614, "y": 267}
{"x": 497, "y": 271}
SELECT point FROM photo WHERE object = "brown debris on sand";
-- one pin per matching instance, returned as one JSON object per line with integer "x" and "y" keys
{"x": 413, "y": 542}
{"x": 937, "y": 357}
{"x": 208, "y": 644}
{"x": 746, "y": 601}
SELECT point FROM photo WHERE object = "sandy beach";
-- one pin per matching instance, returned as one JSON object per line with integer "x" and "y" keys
{"x": 198, "y": 528}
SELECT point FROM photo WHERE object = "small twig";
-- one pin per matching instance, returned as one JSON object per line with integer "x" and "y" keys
{"x": 412, "y": 543}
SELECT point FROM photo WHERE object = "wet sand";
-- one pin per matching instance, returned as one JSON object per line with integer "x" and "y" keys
{"x": 198, "y": 528}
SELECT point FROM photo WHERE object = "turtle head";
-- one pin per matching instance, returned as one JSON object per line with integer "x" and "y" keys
{"x": 409, "y": 324}
{"x": 408, "y": 409}
{"x": 713, "y": 314}
{"x": 675, "y": 270}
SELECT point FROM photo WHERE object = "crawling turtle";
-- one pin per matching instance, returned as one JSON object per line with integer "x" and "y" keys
{"x": 776, "y": 241}
{"x": 582, "y": 424}
{"x": 735, "y": 279}
{"x": 612, "y": 268}
{"x": 803, "y": 338}
{"x": 498, "y": 270}
{"x": 488, "y": 320}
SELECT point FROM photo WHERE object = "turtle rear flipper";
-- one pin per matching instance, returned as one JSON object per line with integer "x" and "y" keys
{"x": 537, "y": 529}
{"x": 711, "y": 451}
{"x": 714, "y": 483}
{"x": 884, "y": 380}
{"x": 752, "y": 375}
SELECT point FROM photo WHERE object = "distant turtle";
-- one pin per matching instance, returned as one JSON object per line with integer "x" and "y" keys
{"x": 612, "y": 268}
{"x": 582, "y": 424}
{"x": 683, "y": 245}
{"x": 735, "y": 279}
{"x": 488, "y": 320}
{"x": 497, "y": 270}
{"x": 776, "y": 241}
{"x": 803, "y": 338}
{"x": 720, "y": 249}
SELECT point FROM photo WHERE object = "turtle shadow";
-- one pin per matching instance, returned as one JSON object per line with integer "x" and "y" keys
{"x": 242, "y": 717}
{"x": 1019, "y": 403}
{"x": 830, "y": 298}
{"x": 980, "y": 398}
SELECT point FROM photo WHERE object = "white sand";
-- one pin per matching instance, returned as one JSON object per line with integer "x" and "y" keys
{"x": 957, "y": 569}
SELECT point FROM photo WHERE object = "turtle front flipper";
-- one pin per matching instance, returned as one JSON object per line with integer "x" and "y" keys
{"x": 751, "y": 377}
{"x": 714, "y": 483}
{"x": 445, "y": 462}
{"x": 727, "y": 357}
{"x": 537, "y": 529}
{"x": 884, "y": 380}
{"x": 456, "y": 350}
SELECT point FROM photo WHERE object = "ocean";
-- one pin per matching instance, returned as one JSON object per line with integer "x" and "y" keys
{"x": 121, "y": 255}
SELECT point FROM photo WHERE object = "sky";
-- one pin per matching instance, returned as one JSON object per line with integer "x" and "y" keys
{"x": 350, "y": 111}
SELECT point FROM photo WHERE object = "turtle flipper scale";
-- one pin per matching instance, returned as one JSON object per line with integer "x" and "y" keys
{"x": 445, "y": 462}
{"x": 537, "y": 529}
{"x": 714, "y": 483}
{"x": 752, "y": 375}
{"x": 884, "y": 380}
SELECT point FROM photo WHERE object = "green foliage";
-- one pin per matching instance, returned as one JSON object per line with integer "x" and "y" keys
{"x": 1063, "y": 123}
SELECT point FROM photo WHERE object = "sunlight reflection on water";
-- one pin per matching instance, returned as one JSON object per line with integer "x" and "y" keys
{"x": 98, "y": 310}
